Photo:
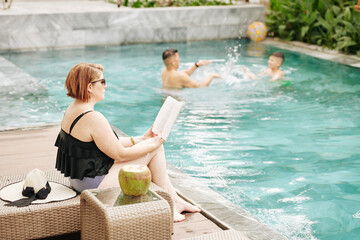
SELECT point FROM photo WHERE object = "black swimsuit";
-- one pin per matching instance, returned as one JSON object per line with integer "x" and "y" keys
{"x": 79, "y": 159}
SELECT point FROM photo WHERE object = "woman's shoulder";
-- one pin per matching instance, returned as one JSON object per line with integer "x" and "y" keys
{"x": 82, "y": 117}
{"x": 95, "y": 115}
{"x": 96, "y": 119}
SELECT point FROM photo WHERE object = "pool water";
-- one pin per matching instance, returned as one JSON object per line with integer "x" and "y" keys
{"x": 288, "y": 152}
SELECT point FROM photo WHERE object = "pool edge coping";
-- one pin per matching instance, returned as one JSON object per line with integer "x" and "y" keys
{"x": 221, "y": 211}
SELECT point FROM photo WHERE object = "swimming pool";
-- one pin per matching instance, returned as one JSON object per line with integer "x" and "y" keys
{"x": 287, "y": 152}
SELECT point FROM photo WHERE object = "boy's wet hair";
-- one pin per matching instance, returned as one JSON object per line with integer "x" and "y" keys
{"x": 169, "y": 53}
{"x": 279, "y": 55}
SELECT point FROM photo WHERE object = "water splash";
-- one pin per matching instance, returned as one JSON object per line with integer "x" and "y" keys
{"x": 295, "y": 227}
{"x": 233, "y": 54}
{"x": 356, "y": 215}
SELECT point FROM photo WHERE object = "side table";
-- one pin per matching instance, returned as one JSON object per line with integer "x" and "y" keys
{"x": 109, "y": 214}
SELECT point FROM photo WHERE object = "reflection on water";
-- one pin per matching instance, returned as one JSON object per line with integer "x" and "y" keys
{"x": 285, "y": 151}
{"x": 23, "y": 98}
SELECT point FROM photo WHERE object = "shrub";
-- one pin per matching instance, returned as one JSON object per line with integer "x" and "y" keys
{"x": 330, "y": 23}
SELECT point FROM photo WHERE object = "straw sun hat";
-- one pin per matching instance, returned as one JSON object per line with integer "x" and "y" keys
{"x": 35, "y": 189}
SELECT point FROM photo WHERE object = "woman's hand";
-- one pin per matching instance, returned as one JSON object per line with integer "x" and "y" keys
{"x": 154, "y": 141}
{"x": 149, "y": 133}
{"x": 158, "y": 138}
{"x": 150, "y": 136}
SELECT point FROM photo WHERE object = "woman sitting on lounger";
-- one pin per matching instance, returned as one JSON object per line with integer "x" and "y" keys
{"x": 92, "y": 154}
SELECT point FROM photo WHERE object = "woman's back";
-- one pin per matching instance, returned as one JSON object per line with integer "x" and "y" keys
{"x": 82, "y": 128}
{"x": 78, "y": 156}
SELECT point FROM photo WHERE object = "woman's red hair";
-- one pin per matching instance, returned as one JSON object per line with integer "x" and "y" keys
{"x": 79, "y": 77}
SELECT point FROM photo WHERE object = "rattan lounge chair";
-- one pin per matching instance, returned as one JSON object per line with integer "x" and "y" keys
{"x": 39, "y": 220}
{"x": 45, "y": 220}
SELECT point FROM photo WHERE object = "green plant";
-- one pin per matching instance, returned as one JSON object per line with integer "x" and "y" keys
{"x": 330, "y": 23}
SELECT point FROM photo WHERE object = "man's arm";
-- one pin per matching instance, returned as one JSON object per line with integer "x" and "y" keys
{"x": 188, "y": 82}
{"x": 192, "y": 69}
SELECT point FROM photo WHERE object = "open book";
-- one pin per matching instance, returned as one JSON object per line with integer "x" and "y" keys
{"x": 166, "y": 117}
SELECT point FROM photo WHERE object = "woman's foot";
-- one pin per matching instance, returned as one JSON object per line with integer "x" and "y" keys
{"x": 178, "y": 217}
{"x": 180, "y": 205}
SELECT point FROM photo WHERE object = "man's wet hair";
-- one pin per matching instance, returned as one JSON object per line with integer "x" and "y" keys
{"x": 169, "y": 53}
{"x": 279, "y": 55}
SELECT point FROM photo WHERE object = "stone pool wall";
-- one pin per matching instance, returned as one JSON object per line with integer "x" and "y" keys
{"x": 26, "y": 26}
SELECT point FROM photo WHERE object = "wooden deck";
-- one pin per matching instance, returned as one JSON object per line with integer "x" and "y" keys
{"x": 23, "y": 150}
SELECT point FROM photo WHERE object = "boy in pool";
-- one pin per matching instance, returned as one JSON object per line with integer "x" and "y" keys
{"x": 276, "y": 59}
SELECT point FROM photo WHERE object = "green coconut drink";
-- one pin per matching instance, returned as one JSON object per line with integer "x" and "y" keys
{"x": 134, "y": 179}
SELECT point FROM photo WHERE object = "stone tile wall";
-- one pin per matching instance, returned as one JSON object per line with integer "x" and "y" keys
{"x": 125, "y": 25}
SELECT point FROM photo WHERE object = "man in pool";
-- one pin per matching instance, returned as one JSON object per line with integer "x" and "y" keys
{"x": 276, "y": 59}
{"x": 172, "y": 78}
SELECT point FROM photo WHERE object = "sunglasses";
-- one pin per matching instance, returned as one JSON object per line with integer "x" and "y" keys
{"x": 103, "y": 81}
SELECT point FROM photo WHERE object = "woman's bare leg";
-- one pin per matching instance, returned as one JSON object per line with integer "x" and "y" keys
{"x": 157, "y": 165}
{"x": 111, "y": 179}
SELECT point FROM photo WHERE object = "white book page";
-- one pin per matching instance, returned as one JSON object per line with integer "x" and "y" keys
{"x": 166, "y": 117}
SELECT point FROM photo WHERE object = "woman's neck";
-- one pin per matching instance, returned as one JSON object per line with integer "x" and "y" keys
{"x": 89, "y": 105}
